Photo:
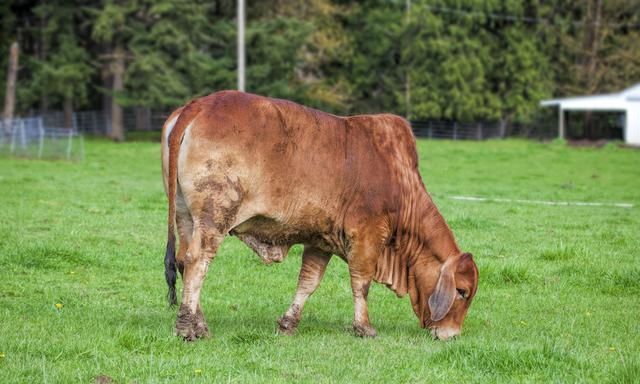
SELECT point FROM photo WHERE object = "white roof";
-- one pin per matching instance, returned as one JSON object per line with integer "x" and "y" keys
{"x": 608, "y": 102}
{"x": 633, "y": 93}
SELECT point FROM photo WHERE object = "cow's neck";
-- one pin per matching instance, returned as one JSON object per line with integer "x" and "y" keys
{"x": 435, "y": 232}
{"x": 421, "y": 232}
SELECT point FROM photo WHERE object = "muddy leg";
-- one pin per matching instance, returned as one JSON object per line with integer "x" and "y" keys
{"x": 314, "y": 263}
{"x": 184, "y": 224}
{"x": 190, "y": 323}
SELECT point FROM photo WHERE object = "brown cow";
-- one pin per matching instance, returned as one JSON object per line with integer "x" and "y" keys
{"x": 275, "y": 173}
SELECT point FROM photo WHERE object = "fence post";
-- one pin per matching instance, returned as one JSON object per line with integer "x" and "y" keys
{"x": 107, "y": 124}
{"x": 69, "y": 144}
{"x": 23, "y": 135}
{"x": 13, "y": 135}
{"x": 41, "y": 144}
{"x": 479, "y": 131}
{"x": 94, "y": 119}
{"x": 81, "y": 148}
{"x": 455, "y": 130}
{"x": 430, "y": 130}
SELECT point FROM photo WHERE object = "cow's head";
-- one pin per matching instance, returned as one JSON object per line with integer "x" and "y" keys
{"x": 441, "y": 293}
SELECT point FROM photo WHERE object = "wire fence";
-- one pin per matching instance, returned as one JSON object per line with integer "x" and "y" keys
{"x": 482, "y": 130}
{"x": 51, "y": 135}
{"x": 30, "y": 137}
{"x": 454, "y": 130}
{"x": 98, "y": 123}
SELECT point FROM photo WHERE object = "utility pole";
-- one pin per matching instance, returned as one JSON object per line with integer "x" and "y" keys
{"x": 407, "y": 83}
{"x": 241, "y": 54}
{"x": 10, "y": 96}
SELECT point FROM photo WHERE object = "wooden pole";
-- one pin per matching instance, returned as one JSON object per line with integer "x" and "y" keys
{"x": 68, "y": 111}
{"x": 10, "y": 95}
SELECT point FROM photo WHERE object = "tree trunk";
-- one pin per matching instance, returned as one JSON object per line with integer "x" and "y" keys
{"x": 107, "y": 99}
{"x": 68, "y": 112}
{"x": 502, "y": 128}
{"x": 117, "y": 70}
{"x": 42, "y": 55}
{"x": 10, "y": 95}
{"x": 143, "y": 119}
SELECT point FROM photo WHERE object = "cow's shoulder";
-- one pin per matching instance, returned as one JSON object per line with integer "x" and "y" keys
{"x": 391, "y": 134}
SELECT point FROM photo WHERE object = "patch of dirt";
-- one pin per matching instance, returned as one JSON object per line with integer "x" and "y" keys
{"x": 103, "y": 379}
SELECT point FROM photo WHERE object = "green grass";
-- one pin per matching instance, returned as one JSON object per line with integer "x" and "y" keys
{"x": 558, "y": 298}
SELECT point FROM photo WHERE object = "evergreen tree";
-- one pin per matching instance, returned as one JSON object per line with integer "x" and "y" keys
{"x": 425, "y": 59}
{"x": 59, "y": 72}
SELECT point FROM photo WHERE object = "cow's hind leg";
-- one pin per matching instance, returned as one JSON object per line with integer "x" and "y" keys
{"x": 190, "y": 323}
{"x": 314, "y": 263}
{"x": 211, "y": 218}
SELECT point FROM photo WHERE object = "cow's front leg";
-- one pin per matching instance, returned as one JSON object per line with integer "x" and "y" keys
{"x": 314, "y": 263}
{"x": 190, "y": 323}
{"x": 362, "y": 261}
{"x": 361, "y": 325}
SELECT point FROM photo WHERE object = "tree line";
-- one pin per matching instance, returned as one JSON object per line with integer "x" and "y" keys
{"x": 423, "y": 59}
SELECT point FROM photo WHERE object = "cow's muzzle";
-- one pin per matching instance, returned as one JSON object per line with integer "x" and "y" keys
{"x": 444, "y": 333}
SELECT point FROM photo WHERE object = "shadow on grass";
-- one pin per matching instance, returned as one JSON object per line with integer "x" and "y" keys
{"x": 48, "y": 258}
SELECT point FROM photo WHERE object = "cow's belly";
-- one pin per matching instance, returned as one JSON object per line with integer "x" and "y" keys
{"x": 270, "y": 238}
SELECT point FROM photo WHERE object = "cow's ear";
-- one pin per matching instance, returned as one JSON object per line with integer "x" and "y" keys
{"x": 443, "y": 296}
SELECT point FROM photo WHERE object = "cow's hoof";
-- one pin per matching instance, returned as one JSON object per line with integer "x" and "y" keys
{"x": 191, "y": 326}
{"x": 364, "y": 330}
{"x": 184, "y": 324}
{"x": 287, "y": 325}
{"x": 201, "y": 329}
{"x": 186, "y": 333}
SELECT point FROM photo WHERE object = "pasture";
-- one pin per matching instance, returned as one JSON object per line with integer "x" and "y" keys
{"x": 82, "y": 292}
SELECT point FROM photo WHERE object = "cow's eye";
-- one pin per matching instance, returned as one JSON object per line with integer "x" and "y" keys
{"x": 462, "y": 294}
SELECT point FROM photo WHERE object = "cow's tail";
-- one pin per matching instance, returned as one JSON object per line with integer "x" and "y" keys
{"x": 170, "y": 254}
{"x": 170, "y": 267}
{"x": 173, "y": 142}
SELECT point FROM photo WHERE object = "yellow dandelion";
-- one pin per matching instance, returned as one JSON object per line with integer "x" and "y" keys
{"x": 198, "y": 371}
{"x": 1, "y": 355}
{"x": 59, "y": 305}
{"x": 612, "y": 348}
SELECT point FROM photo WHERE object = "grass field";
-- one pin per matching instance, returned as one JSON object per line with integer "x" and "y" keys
{"x": 558, "y": 297}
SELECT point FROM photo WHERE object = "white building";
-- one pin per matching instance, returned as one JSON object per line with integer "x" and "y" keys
{"x": 627, "y": 101}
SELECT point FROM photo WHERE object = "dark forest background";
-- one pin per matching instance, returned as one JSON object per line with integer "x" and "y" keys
{"x": 423, "y": 59}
